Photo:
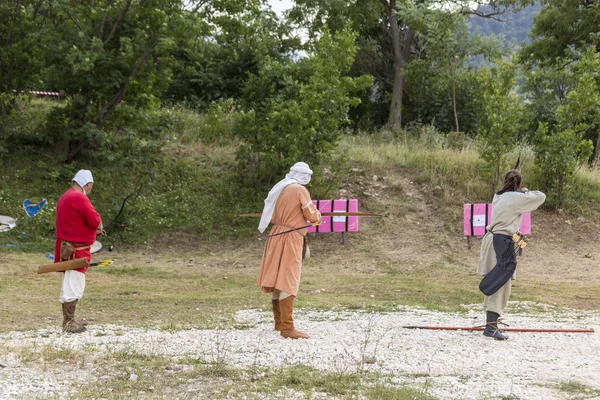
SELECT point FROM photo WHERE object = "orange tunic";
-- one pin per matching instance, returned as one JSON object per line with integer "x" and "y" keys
{"x": 282, "y": 258}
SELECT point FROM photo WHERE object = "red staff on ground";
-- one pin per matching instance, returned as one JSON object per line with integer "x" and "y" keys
{"x": 77, "y": 224}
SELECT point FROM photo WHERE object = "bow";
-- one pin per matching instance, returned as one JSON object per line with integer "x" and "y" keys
{"x": 284, "y": 232}
{"x": 112, "y": 221}
{"x": 518, "y": 161}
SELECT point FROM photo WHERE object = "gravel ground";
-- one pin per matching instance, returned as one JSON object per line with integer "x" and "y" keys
{"x": 451, "y": 364}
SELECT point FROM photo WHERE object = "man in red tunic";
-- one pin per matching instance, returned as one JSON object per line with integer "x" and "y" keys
{"x": 77, "y": 224}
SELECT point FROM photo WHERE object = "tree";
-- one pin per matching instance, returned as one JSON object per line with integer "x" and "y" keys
{"x": 23, "y": 35}
{"x": 217, "y": 64}
{"x": 562, "y": 26}
{"x": 499, "y": 125}
{"x": 118, "y": 53}
{"x": 388, "y": 32}
{"x": 561, "y": 33}
{"x": 446, "y": 45}
{"x": 103, "y": 51}
{"x": 294, "y": 110}
{"x": 560, "y": 148}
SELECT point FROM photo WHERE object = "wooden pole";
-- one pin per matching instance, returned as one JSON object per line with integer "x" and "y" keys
{"x": 479, "y": 328}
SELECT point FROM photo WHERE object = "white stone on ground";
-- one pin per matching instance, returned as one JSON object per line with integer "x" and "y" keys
{"x": 452, "y": 364}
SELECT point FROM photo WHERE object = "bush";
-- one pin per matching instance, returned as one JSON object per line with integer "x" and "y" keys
{"x": 215, "y": 126}
{"x": 298, "y": 121}
{"x": 561, "y": 148}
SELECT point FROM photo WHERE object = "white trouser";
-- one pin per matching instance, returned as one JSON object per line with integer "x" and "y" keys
{"x": 498, "y": 301}
{"x": 280, "y": 295}
{"x": 72, "y": 287}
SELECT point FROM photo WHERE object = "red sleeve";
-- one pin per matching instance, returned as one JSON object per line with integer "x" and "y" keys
{"x": 89, "y": 214}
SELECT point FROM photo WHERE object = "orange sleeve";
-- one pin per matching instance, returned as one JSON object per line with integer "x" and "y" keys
{"x": 309, "y": 210}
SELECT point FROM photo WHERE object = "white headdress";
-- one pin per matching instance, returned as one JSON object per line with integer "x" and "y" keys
{"x": 300, "y": 173}
{"x": 83, "y": 177}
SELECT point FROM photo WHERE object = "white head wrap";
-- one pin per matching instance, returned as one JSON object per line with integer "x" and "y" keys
{"x": 300, "y": 173}
{"x": 83, "y": 177}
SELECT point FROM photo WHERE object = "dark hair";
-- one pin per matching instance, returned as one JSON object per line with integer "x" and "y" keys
{"x": 512, "y": 181}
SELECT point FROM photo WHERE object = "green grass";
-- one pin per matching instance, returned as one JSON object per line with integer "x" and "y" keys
{"x": 441, "y": 166}
{"x": 305, "y": 379}
{"x": 169, "y": 291}
{"x": 388, "y": 392}
{"x": 163, "y": 292}
{"x": 456, "y": 171}
{"x": 159, "y": 377}
{"x": 578, "y": 389}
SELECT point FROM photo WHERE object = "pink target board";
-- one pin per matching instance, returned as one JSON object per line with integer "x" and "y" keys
{"x": 478, "y": 216}
{"x": 336, "y": 224}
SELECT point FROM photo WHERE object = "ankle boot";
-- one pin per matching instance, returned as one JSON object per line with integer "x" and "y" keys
{"x": 69, "y": 323}
{"x": 491, "y": 327}
{"x": 286, "y": 306}
{"x": 276, "y": 314}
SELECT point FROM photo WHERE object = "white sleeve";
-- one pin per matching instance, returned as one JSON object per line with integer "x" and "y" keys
{"x": 530, "y": 201}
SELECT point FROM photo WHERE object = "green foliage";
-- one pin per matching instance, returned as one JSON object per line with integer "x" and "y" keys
{"x": 442, "y": 90}
{"x": 544, "y": 90}
{"x": 561, "y": 148}
{"x": 179, "y": 188}
{"x": 428, "y": 92}
{"x": 106, "y": 53}
{"x": 25, "y": 124}
{"x": 561, "y": 27}
{"x": 499, "y": 128}
{"x": 24, "y": 33}
{"x": 216, "y": 66}
{"x": 298, "y": 120}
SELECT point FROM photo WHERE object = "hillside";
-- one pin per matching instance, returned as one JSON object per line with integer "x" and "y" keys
{"x": 514, "y": 26}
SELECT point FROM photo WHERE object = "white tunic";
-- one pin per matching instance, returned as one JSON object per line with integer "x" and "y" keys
{"x": 507, "y": 211}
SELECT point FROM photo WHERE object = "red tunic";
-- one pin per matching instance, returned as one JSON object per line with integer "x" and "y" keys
{"x": 76, "y": 222}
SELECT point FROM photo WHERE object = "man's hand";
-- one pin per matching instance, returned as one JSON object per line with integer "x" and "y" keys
{"x": 100, "y": 230}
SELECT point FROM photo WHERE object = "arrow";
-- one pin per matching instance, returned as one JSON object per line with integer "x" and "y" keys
{"x": 328, "y": 214}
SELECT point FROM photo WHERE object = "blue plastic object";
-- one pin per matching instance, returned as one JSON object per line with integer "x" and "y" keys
{"x": 33, "y": 208}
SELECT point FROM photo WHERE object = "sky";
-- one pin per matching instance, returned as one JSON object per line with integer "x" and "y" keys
{"x": 280, "y": 5}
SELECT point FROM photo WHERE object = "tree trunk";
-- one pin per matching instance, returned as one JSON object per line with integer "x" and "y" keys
{"x": 77, "y": 118}
{"x": 454, "y": 98}
{"x": 76, "y": 146}
{"x": 401, "y": 52}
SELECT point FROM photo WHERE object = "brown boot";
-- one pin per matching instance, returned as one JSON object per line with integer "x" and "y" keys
{"x": 69, "y": 324}
{"x": 286, "y": 306}
{"x": 276, "y": 314}
{"x": 82, "y": 321}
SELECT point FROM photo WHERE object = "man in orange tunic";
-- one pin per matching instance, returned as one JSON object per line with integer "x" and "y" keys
{"x": 288, "y": 206}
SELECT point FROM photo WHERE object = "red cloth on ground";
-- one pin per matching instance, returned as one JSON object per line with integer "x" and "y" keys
{"x": 76, "y": 222}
